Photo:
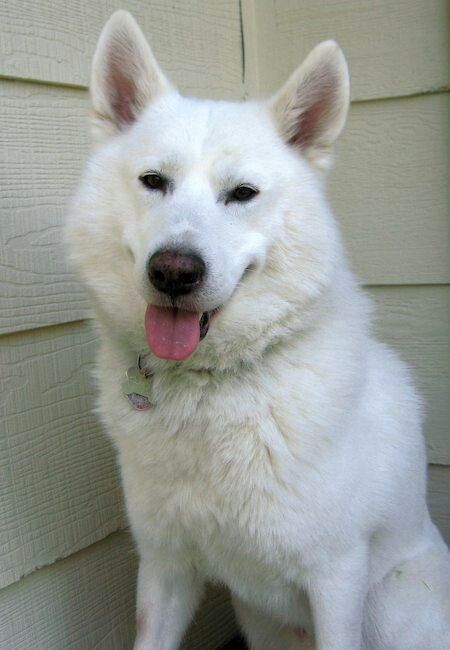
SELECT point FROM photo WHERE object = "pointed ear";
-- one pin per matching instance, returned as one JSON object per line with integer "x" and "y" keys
{"x": 125, "y": 76}
{"x": 311, "y": 108}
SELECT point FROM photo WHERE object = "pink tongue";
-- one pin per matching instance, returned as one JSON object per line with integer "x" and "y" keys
{"x": 172, "y": 333}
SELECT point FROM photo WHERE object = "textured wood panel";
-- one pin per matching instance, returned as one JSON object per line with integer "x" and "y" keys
{"x": 58, "y": 480}
{"x": 83, "y": 602}
{"x": 439, "y": 498}
{"x": 390, "y": 192}
{"x": 44, "y": 140}
{"x": 197, "y": 42}
{"x": 394, "y": 48}
{"x": 86, "y": 602}
{"x": 415, "y": 321}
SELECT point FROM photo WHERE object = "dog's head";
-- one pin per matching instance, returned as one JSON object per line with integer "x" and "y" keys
{"x": 200, "y": 226}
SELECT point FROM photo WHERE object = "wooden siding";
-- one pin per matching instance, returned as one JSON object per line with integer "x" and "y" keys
{"x": 197, "y": 42}
{"x": 415, "y": 321}
{"x": 59, "y": 487}
{"x": 394, "y": 48}
{"x": 438, "y": 498}
{"x": 45, "y": 140}
{"x": 389, "y": 190}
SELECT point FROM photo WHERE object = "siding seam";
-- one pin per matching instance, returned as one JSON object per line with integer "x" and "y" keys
{"x": 82, "y": 549}
{"x": 438, "y": 90}
{"x": 241, "y": 30}
{"x": 91, "y": 321}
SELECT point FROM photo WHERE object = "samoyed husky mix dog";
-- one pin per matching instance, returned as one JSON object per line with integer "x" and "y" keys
{"x": 266, "y": 441}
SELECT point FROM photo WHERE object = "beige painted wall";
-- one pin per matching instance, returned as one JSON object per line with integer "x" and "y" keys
{"x": 59, "y": 492}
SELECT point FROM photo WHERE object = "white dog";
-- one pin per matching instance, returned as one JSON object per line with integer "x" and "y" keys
{"x": 266, "y": 441}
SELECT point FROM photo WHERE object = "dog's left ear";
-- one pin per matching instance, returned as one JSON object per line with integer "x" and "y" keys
{"x": 125, "y": 76}
{"x": 311, "y": 108}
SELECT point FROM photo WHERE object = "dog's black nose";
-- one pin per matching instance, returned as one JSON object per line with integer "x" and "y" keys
{"x": 174, "y": 273}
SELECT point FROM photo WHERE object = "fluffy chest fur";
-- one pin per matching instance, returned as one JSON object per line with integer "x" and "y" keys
{"x": 209, "y": 475}
{"x": 232, "y": 466}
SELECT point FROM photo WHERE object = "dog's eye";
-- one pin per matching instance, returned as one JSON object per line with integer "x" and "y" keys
{"x": 242, "y": 193}
{"x": 154, "y": 181}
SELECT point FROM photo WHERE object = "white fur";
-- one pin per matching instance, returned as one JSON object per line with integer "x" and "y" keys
{"x": 284, "y": 458}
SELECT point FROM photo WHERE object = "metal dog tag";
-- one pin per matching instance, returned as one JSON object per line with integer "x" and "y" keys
{"x": 137, "y": 389}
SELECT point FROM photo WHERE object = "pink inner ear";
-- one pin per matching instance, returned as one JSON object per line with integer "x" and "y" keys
{"x": 123, "y": 92}
{"x": 312, "y": 119}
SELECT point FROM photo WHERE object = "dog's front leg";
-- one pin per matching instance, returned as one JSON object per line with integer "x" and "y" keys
{"x": 166, "y": 601}
{"x": 337, "y": 594}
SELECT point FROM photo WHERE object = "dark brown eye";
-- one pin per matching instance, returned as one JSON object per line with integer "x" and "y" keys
{"x": 242, "y": 193}
{"x": 154, "y": 181}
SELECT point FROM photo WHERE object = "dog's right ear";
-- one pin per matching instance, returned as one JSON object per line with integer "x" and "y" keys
{"x": 125, "y": 76}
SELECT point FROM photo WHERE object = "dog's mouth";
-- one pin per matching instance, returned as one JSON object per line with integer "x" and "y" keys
{"x": 174, "y": 333}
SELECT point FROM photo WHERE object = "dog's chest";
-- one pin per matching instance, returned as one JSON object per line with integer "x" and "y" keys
{"x": 208, "y": 460}
{"x": 208, "y": 473}
{"x": 222, "y": 506}
{"x": 204, "y": 470}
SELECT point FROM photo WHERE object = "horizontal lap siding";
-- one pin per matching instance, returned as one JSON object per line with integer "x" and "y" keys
{"x": 389, "y": 190}
{"x": 439, "y": 498}
{"x": 415, "y": 322}
{"x": 394, "y": 48}
{"x": 44, "y": 143}
{"x": 83, "y": 602}
{"x": 197, "y": 42}
{"x": 59, "y": 488}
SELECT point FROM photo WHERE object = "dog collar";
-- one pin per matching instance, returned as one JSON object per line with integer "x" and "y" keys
{"x": 136, "y": 387}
